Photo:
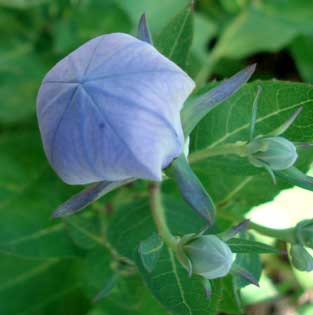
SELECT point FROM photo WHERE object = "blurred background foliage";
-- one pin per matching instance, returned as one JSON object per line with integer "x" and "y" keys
{"x": 58, "y": 267}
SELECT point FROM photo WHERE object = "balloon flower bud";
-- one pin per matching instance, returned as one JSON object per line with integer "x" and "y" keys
{"x": 277, "y": 153}
{"x": 300, "y": 258}
{"x": 304, "y": 232}
{"x": 110, "y": 111}
{"x": 207, "y": 256}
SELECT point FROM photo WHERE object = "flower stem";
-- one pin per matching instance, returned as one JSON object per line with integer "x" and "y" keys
{"x": 287, "y": 235}
{"x": 238, "y": 148}
{"x": 158, "y": 213}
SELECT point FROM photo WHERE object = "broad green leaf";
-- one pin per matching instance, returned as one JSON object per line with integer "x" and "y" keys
{"x": 21, "y": 71}
{"x": 29, "y": 191}
{"x": 239, "y": 245}
{"x": 230, "y": 302}
{"x": 96, "y": 269}
{"x": 184, "y": 295}
{"x": 302, "y": 51}
{"x": 254, "y": 30}
{"x": 149, "y": 251}
{"x": 232, "y": 181}
{"x": 267, "y": 26}
{"x": 296, "y": 13}
{"x": 40, "y": 287}
{"x": 159, "y": 13}
{"x": 86, "y": 230}
{"x": 128, "y": 295}
{"x": 204, "y": 31}
{"x": 21, "y": 4}
{"x": 86, "y": 21}
{"x": 179, "y": 294}
{"x": 176, "y": 38}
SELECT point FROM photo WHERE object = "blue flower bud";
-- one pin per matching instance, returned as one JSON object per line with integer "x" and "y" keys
{"x": 110, "y": 111}
{"x": 207, "y": 256}
{"x": 277, "y": 153}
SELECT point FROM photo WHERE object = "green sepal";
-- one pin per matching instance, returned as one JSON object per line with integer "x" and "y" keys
{"x": 207, "y": 287}
{"x": 86, "y": 196}
{"x": 227, "y": 235}
{"x": 150, "y": 250}
{"x": 282, "y": 128}
{"x": 294, "y": 176}
{"x": 245, "y": 274}
{"x": 197, "y": 109}
{"x": 254, "y": 111}
{"x": 109, "y": 285}
{"x": 192, "y": 189}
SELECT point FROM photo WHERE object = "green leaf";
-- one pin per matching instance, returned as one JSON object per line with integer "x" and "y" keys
{"x": 192, "y": 189}
{"x": 176, "y": 38}
{"x": 231, "y": 181}
{"x": 158, "y": 12}
{"x": 22, "y": 4}
{"x": 88, "y": 20}
{"x": 302, "y": 51}
{"x": 252, "y": 264}
{"x": 107, "y": 288}
{"x": 179, "y": 298}
{"x": 128, "y": 295}
{"x": 149, "y": 251}
{"x": 85, "y": 230}
{"x": 21, "y": 71}
{"x": 40, "y": 287}
{"x": 29, "y": 191}
{"x": 248, "y": 33}
{"x": 239, "y": 245}
{"x": 178, "y": 290}
{"x": 230, "y": 302}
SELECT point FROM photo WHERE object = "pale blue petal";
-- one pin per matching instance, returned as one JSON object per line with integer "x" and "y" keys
{"x": 111, "y": 111}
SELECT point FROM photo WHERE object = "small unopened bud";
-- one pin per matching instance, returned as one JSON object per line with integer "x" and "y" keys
{"x": 207, "y": 256}
{"x": 300, "y": 258}
{"x": 304, "y": 233}
{"x": 277, "y": 153}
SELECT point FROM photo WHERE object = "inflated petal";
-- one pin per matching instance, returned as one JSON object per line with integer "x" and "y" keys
{"x": 111, "y": 111}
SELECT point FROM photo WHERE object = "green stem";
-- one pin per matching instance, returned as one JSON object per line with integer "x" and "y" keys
{"x": 158, "y": 213}
{"x": 238, "y": 148}
{"x": 287, "y": 235}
